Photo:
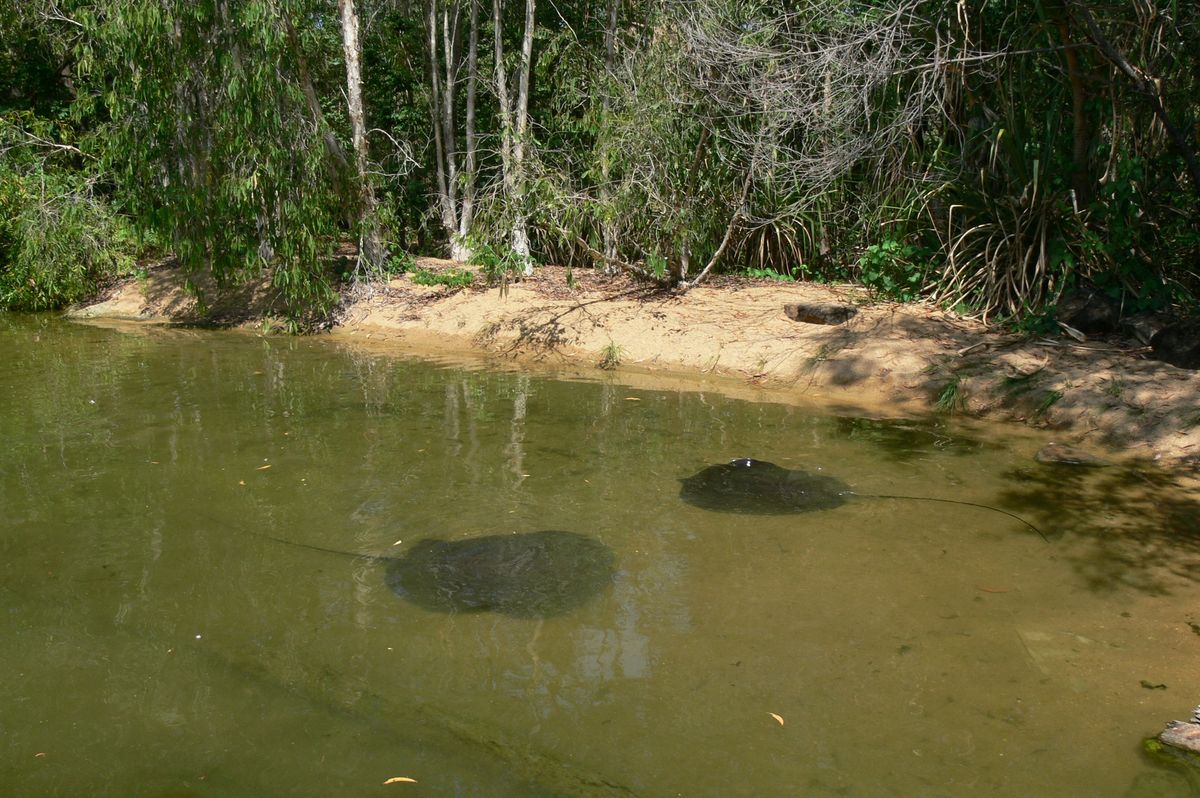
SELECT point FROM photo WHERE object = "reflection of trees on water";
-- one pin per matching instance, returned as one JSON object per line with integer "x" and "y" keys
{"x": 1125, "y": 527}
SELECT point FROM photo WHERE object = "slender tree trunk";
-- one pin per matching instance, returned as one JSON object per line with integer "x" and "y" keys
{"x": 608, "y": 228}
{"x": 370, "y": 247}
{"x": 436, "y": 102}
{"x": 520, "y": 230}
{"x": 455, "y": 168}
{"x": 333, "y": 148}
{"x": 514, "y": 120}
{"x": 467, "y": 216}
{"x": 1081, "y": 181}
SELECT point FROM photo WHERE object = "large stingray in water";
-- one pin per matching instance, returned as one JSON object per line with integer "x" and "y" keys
{"x": 524, "y": 575}
{"x": 761, "y": 488}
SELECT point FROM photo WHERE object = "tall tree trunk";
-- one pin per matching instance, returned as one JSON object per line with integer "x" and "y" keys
{"x": 333, "y": 148}
{"x": 370, "y": 247}
{"x": 1081, "y": 139}
{"x": 608, "y": 228}
{"x": 467, "y": 216}
{"x": 455, "y": 168}
{"x": 436, "y": 102}
{"x": 514, "y": 124}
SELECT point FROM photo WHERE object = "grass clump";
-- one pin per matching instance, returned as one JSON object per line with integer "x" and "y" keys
{"x": 610, "y": 357}
{"x": 454, "y": 278}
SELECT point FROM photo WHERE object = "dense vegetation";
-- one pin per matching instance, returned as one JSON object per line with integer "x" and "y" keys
{"x": 987, "y": 155}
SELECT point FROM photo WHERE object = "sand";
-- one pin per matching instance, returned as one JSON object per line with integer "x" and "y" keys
{"x": 734, "y": 335}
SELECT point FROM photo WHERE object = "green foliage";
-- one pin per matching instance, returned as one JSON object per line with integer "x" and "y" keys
{"x": 498, "y": 264}
{"x": 454, "y": 278}
{"x": 59, "y": 238}
{"x": 767, "y": 273}
{"x": 212, "y": 140}
{"x": 657, "y": 265}
{"x": 951, "y": 398}
{"x": 398, "y": 263}
{"x": 216, "y": 126}
{"x": 893, "y": 269}
{"x": 610, "y": 357}
{"x": 1048, "y": 400}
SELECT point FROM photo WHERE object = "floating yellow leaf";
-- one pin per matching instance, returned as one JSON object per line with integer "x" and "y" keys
{"x": 633, "y": 398}
{"x": 241, "y": 482}
{"x": 263, "y": 468}
{"x": 399, "y": 779}
{"x": 777, "y": 717}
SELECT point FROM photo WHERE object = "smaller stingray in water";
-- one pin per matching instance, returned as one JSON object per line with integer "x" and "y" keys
{"x": 761, "y": 488}
{"x": 523, "y": 575}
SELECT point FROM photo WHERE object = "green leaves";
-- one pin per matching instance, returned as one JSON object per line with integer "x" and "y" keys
{"x": 214, "y": 142}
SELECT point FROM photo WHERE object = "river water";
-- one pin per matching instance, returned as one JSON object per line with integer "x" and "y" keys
{"x": 160, "y": 640}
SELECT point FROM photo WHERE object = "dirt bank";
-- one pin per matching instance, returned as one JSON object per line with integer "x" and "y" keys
{"x": 887, "y": 358}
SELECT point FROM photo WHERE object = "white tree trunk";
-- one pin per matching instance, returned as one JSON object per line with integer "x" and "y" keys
{"x": 467, "y": 216}
{"x": 370, "y": 247}
{"x": 455, "y": 168}
{"x": 514, "y": 122}
{"x": 607, "y": 227}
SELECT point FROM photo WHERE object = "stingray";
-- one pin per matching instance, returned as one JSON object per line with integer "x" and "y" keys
{"x": 522, "y": 575}
{"x": 761, "y": 488}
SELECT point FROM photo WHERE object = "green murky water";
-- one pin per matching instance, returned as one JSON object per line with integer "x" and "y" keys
{"x": 155, "y": 643}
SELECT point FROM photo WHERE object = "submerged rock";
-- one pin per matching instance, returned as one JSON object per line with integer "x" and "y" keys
{"x": 1062, "y": 454}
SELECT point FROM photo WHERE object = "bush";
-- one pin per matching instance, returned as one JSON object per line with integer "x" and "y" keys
{"x": 58, "y": 239}
{"x": 455, "y": 278}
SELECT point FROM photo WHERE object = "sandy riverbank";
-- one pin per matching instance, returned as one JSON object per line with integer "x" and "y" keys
{"x": 734, "y": 334}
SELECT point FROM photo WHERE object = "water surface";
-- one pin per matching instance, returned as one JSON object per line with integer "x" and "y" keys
{"x": 158, "y": 642}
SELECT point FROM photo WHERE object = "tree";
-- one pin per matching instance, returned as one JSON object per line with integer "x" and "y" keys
{"x": 514, "y": 128}
{"x": 370, "y": 247}
{"x": 456, "y": 169}
{"x": 233, "y": 161}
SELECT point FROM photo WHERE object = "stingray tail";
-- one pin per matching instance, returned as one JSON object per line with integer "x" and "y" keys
{"x": 1013, "y": 516}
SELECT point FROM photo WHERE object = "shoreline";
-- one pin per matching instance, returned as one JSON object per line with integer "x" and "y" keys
{"x": 734, "y": 336}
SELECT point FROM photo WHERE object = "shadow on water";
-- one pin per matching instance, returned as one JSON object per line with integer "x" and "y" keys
{"x": 1141, "y": 526}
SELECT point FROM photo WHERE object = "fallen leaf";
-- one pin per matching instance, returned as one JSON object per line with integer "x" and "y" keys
{"x": 40, "y": 754}
{"x": 1071, "y": 331}
{"x": 777, "y": 717}
{"x": 399, "y": 779}
{"x": 263, "y": 468}
{"x": 241, "y": 482}
{"x": 633, "y": 399}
